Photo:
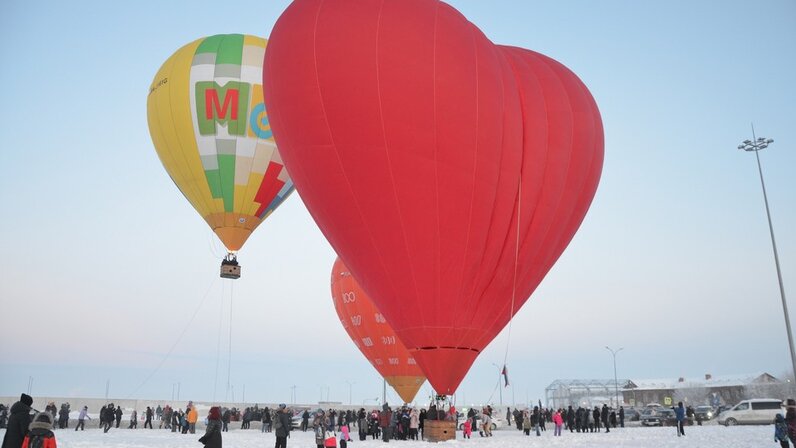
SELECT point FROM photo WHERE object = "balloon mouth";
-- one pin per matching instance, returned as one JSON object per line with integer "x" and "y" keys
{"x": 447, "y": 347}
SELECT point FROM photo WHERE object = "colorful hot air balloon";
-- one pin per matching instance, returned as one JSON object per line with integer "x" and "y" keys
{"x": 373, "y": 336}
{"x": 448, "y": 172}
{"x": 211, "y": 131}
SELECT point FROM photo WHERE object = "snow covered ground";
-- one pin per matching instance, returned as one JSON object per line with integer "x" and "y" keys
{"x": 701, "y": 437}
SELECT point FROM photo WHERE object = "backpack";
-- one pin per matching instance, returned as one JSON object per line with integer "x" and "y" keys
{"x": 36, "y": 441}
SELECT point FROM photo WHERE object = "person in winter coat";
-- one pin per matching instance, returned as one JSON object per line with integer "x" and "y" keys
{"x": 212, "y": 437}
{"x": 148, "y": 416}
{"x": 385, "y": 420}
{"x": 282, "y": 426}
{"x": 81, "y": 419}
{"x": 536, "y": 416}
{"x": 193, "y": 416}
{"x": 18, "y": 422}
{"x": 305, "y": 420}
{"x": 118, "y": 415}
{"x": 414, "y": 424}
{"x": 345, "y": 437}
{"x": 781, "y": 431}
{"x": 558, "y": 420}
{"x": 621, "y": 416}
{"x": 40, "y": 433}
{"x": 679, "y": 413}
{"x": 604, "y": 418}
{"x": 467, "y": 429}
{"x": 133, "y": 420}
{"x": 790, "y": 419}
{"x": 225, "y": 420}
{"x": 319, "y": 428}
{"x": 175, "y": 420}
{"x": 107, "y": 417}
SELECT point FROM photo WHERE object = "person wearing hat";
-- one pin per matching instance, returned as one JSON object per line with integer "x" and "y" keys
{"x": 212, "y": 437}
{"x": 18, "y": 422}
{"x": 282, "y": 426}
{"x": 40, "y": 432}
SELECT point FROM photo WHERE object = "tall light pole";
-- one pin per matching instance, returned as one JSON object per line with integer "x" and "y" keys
{"x": 350, "y": 383}
{"x": 755, "y": 145}
{"x": 616, "y": 380}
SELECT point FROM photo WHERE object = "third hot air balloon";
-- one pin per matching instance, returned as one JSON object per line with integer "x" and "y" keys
{"x": 373, "y": 336}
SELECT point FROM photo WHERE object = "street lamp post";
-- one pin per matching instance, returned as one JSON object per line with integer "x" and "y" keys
{"x": 755, "y": 145}
{"x": 616, "y": 380}
{"x": 350, "y": 383}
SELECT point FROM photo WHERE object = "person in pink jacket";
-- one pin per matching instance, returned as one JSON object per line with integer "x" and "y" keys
{"x": 558, "y": 421}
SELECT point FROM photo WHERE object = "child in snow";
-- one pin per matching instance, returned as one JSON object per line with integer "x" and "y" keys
{"x": 781, "y": 431}
{"x": 467, "y": 429}
{"x": 40, "y": 432}
{"x": 344, "y": 436}
{"x": 559, "y": 422}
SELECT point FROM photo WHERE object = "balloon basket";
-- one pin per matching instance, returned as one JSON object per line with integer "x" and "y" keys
{"x": 230, "y": 268}
{"x": 439, "y": 430}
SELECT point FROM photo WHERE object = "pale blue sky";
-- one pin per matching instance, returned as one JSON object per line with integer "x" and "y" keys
{"x": 105, "y": 262}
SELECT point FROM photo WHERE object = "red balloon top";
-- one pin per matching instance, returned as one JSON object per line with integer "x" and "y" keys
{"x": 448, "y": 172}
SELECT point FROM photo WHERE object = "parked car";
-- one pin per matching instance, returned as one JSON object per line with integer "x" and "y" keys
{"x": 651, "y": 417}
{"x": 759, "y": 411}
{"x": 632, "y": 415}
{"x": 704, "y": 413}
{"x": 497, "y": 422}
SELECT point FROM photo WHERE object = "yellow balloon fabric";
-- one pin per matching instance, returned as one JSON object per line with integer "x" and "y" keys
{"x": 208, "y": 122}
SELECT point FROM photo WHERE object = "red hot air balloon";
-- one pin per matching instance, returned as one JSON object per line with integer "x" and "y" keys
{"x": 373, "y": 336}
{"x": 449, "y": 172}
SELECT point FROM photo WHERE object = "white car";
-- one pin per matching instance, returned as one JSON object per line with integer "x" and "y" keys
{"x": 759, "y": 411}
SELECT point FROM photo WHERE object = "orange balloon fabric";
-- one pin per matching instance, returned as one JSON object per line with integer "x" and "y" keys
{"x": 373, "y": 335}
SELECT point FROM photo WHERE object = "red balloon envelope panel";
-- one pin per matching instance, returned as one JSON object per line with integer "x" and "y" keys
{"x": 449, "y": 173}
{"x": 373, "y": 336}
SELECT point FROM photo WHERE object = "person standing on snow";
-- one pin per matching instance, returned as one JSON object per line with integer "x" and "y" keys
{"x": 212, "y": 437}
{"x": 558, "y": 421}
{"x": 18, "y": 422}
{"x": 118, "y": 415}
{"x": 679, "y": 413}
{"x": 282, "y": 424}
{"x": 148, "y": 416}
{"x": 133, "y": 420}
{"x": 81, "y": 419}
{"x": 604, "y": 417}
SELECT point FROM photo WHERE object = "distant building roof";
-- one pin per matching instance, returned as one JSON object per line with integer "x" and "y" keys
{"x": 704, "y": 381}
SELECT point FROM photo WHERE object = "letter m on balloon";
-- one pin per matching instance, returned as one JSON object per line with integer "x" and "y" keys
{"x": 226, "y": 105}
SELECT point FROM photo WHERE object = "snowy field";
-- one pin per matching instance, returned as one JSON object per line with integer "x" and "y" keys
{"x": 701, "y": 437}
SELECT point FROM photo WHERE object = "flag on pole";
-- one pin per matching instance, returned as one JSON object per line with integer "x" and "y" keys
{"x": 505, "y": 373}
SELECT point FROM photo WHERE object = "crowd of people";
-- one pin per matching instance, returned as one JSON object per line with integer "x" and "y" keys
{"x": 27, "y": 427}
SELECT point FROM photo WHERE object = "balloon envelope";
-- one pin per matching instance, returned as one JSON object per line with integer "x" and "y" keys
{"x": 448, "y": 172}
{"x": 373, "y": 336}
{"x": 208, "y": 122}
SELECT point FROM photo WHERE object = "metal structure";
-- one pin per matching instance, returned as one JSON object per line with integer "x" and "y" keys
{"x": 587, "y": 393}
{"x": 755, "y": 145}
{"x": 616, "y": 382}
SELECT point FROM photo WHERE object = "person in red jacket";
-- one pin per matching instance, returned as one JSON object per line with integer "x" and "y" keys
{"x": 40, "y": 432}
{"x": 559, "y": 422}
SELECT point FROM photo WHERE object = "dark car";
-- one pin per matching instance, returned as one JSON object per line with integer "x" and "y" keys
{"x": 704, "y": 413}
{"x": 632, "y": 415}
